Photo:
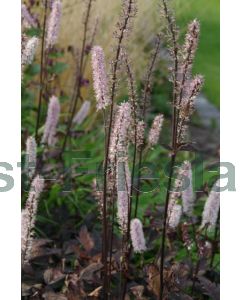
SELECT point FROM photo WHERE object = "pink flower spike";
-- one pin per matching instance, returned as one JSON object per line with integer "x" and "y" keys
{"x": 211, "y": 208}
{"x": 137, "y": 236}
{"x": 123, "y": 193}
{"x": 28, "y": 19}
{"x": 49, "y": 136}
{"x": 82, "y": 113}
{"x": 31, "y": 156}
{"x": 29, "y": 50}
{"x": 100, "y": 78}
{"x": 190, "y": 46}
{"x": 188, "y": 198}
{"x": 53, "y": 24}
{"x": 155, "y": 130}
{"x": 119, "y": 136}
{"x": 174, "y": 218}
{"x": 29, "y": 217}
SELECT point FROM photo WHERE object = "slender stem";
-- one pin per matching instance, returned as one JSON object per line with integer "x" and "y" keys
{"x": 182, "y": 121}
{"x": 134, "y": 109}
{"x": 215, "y": 241}
{"x": 146, "y": 93}
{"x": 77, "y": 88}
{"x": 195, "y": 272}
{"x": 174, "y": 139}
{"x": 41, "y": 71}
{"x": 91, "y": 43}
{"x": 184, "y": 76}
{"x": 138, "y": 183}
{"x": 113, "y": 90}
{"x": 175, "y": 71}
{"x": 194, "y": 276}
{"x": 126, "y": 250}
{"x": 165, "y": 224}
{"x": 111, "y": 245}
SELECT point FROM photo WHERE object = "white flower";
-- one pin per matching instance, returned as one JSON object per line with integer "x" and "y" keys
{"x": 211, "y": 208}
{"x": 137, "y": 236}
{"x": 29, "y": 50}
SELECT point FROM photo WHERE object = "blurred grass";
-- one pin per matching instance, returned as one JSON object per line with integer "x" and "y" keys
{"x": 208, "y": 55}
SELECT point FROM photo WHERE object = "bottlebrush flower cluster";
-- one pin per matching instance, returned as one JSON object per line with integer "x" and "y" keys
{"x": 29, "y": 217}
{"x": 29, "y": 50}
{"x": 192, "y": 90}
{"x": 82, "y": 113}
{"x": 28, "y": 20}
{"x": 183, "y": 190}
{"x": 53, "y": 24}
{"x": 140, "y": 133}
{"x": 100, "y": 78}
{"x": 155, "y": 130}
{"x": 31, "y": 156}
{"x": 188, "y": 198}
{"x": 175, "y": 195}
{"x": 187, "y": 88}
{"x": 49, "y": 136}
{"x": 175, "y": 216}
{"x": 137, "y": 236}
{"x": 123, "y": 193}
{"x": 211, "y": 209}
{"x": 119, "y": 134}
{"x": 190, "y": 46}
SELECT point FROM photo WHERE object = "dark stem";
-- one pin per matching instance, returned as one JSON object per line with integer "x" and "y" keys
{"x": 184, "y": 77}
{"x": 183, "y": 119}
{"x": 77, "y": 88}
{"x": 91, "y": 44}
{"x": 111, "y": 245}
{"x": 146, "y": 93}
{"x": 195, "y": 276}
{"x": 134, "y": 110}
{"x": 41, "y": 71}
{"x": 138, "y": 182}
{"x": 173, "y": 158}
{"x": 175, "y": 72}
{"x": 113, "y": 90}
{"x": 215, "y": 241}
{"x": 174, "y": 139}
{"x": 126, "y": 248}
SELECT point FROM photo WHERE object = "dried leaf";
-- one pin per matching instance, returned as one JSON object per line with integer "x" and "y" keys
{"x": 87, "y": 274}
{"x": 138, "y": 292}
{"x": 76, "y": 295}
{"x": 54, "y": 296}
{"x": 153, "y": 279}
{"x": 74, "y": 289}
{"x": 86, "y": 239}
{"x": 53, "y": 277}
{"x": 39, "y": 247}
{"x": 177, "y": 296}
{"x": 27, "y": 289}
{"x": 96, "y": 292}
{"x": 209, "y": 288}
